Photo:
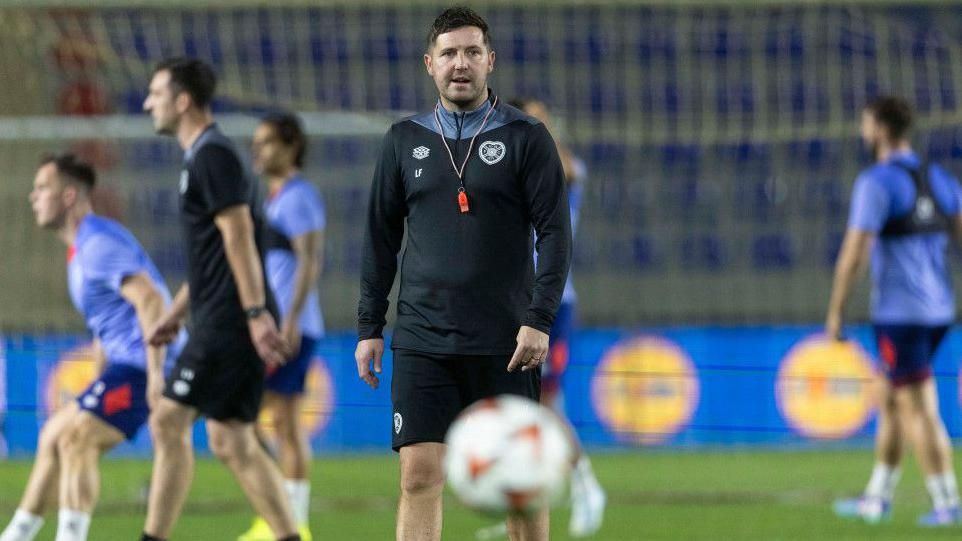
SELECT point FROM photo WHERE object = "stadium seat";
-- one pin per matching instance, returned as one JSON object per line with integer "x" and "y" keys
{"x": 772, "y": 252}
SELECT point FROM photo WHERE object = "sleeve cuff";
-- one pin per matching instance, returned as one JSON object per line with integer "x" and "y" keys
{"x": 539, "y": 321}
{"x": 367, "y": 333}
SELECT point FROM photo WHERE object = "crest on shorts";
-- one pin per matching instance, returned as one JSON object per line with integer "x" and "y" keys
{"x": 421, "y": 152}
{"x": 491, "y": 152}
{"x": 181, "y": 387}
{"x": 398, "y": 421}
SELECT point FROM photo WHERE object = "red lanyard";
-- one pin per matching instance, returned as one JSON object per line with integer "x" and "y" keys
{"x": 462, "y": 196}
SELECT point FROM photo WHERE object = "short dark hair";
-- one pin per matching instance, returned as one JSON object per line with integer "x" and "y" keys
{"x": 73, "y": 168}
{"x": 892, "y": 112}
{"x": 190, "y": 75}
{"x": 454, "y": 18}
{"x": 289, "y": 130}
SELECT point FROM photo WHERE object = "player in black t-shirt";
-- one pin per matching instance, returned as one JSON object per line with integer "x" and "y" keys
{"x": 220, "y": 373}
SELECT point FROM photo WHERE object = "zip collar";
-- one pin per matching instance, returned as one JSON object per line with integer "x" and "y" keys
{"x": 457, "y": 125}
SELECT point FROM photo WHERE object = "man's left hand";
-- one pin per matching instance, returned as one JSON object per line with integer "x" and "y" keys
{"x": 532, "y": 350}
{"x": 268, "y": 342}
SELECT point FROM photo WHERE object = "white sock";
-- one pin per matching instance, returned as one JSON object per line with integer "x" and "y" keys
{"x": 950, "y": 488}
{"x": 883, "y": 481}
{"x": 299, "y": 491}
{"x": 936, "y": 491}
{"x": 584, "y": 476}
{"x": 23, "y": 527}
{"x": 583, "y": 468}
{"x": 72, "y": 525}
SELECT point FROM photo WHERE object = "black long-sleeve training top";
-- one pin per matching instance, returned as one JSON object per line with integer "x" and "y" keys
{"x": 467, "y": 278}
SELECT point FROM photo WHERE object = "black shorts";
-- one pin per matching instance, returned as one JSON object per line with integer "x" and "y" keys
{"x": 429, "y": 390}
{"x": 220, "y": 374}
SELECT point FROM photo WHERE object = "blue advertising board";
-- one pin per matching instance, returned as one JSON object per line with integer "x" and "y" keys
{"x": 677, "y": 386}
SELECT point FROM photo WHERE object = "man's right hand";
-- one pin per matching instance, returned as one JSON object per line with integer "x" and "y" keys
{"x": 268, "y": 342}
{"x": 367, "y": 355}
{"x": 164, "y": 330}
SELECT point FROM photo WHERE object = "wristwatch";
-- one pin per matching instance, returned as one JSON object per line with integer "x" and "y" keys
{"x": 254, "y": 311}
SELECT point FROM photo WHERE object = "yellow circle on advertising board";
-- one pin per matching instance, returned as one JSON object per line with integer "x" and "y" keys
{"x": 645, "y": 389}
{"x": 72, "y": 374}
{"x": 316, "y": 403}
{"x": 824, "y": 388}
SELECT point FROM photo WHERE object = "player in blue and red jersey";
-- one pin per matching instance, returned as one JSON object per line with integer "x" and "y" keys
{"x": 903, "y": 213}
{"x": 120, "y": 293}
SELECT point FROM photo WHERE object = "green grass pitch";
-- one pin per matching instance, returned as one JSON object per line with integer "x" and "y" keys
{"x": 778, "y": 495}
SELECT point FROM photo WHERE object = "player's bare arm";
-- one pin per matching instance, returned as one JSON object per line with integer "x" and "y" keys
{"x": 100, "y": 359}
{"x": 166, "y": 327}
{"x": 237, "y": 229}
{"x": 308, "y": 249}
{"x": 140, "y": 292}
{"x": 851, "y": 265}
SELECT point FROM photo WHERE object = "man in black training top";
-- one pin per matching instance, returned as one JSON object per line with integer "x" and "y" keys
{"x": 220, "y": 373}
{"x": 474, "y": 177}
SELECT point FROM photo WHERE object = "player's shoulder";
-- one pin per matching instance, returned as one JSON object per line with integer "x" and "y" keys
{"x": 102, "y": 235}
{"x": 213, "y": 145}
{"x": 946, "y": 188}
{"x": 300, "y": 190}
{"x": 407, "y": 129}
{"x": 214, "y": 149}
{"x": 97, "y": 227}
{"x": 938, "y": 172}
{"x": 876, "y": 174}
{"x": 405, "y": 126}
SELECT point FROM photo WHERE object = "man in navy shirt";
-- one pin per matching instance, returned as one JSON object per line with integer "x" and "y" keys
{"x": 118, "y": 290}
{"x": 220, "y": 373}
{"x": 903, "y": 213}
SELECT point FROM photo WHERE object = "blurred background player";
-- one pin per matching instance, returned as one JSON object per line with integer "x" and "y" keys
{"x": 120, "y": 293}
{"x": 294, "y": 247}
{"x": 587, "y": 496}
{"x": 220, "y": 372}
{"x": 903, "y": 212}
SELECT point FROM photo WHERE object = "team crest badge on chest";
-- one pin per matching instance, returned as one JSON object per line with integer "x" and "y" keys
{"x": 491, "y": 152}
